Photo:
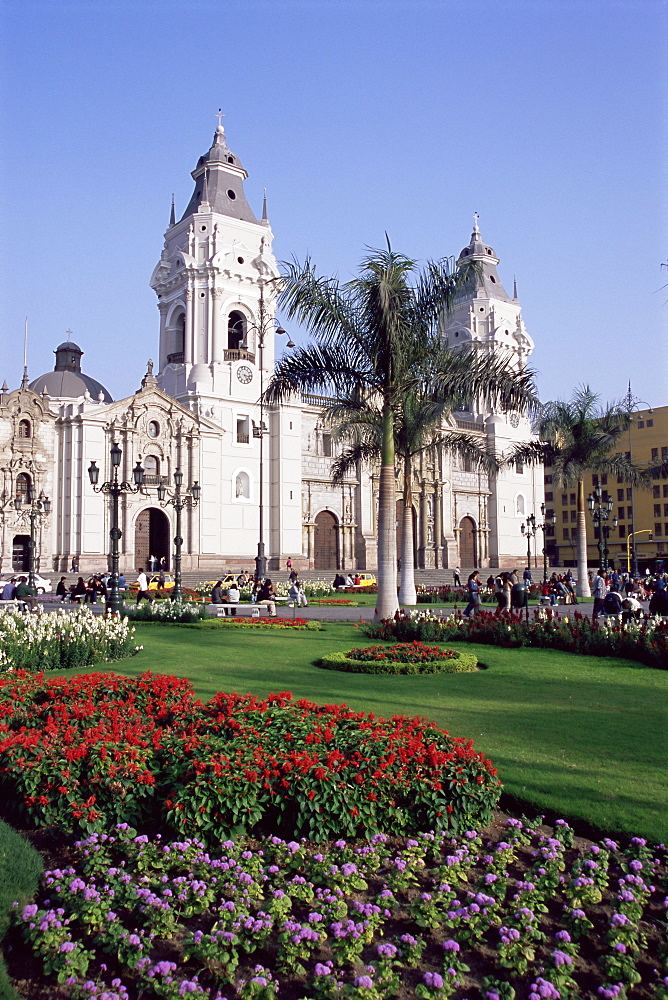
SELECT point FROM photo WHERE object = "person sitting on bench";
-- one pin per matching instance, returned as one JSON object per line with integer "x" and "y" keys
{"x": 233, "y": 596}
{"x": 266, "y": 595}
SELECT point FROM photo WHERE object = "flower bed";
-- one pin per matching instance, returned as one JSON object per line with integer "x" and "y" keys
{"x": 402, "y": 658}
{"x": 165, "y": 612}
{"x": 522, "y": 910}
{"x": 646, "y": 642}
{"x": 265, "y": 623}
{"x": 63, "y": 640}
{"x": 83, "y": 753}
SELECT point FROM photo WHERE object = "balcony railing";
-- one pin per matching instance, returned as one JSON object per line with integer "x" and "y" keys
{"x": 242, "y": 438}
{"x": 155, "y": 480}
{"x": 241, "y": 354}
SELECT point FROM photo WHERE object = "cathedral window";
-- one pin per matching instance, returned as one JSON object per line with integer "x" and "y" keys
{"x": 236, "y": 332}
{"x": 23, "y": 487}
{"x": 151, "y": 466}
{"x": 327, "y": 445}
{"x": 519, "y": 466}
{"x": 243, "y": 430}
{"x": 153, "y": 429}
{"x": 231, "y": 195}
{"x": 25, "y": 429}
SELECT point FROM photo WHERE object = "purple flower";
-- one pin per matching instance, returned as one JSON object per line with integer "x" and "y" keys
{"x": 363, "y": 982}
{"x": 561, "y": 958}
{"x": 433, "y": 979}
{"x": 620, "y": 947}
{"x": 450, "y": 945}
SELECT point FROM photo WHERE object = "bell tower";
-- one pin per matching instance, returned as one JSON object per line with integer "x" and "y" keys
{"x": 215, "y": 288}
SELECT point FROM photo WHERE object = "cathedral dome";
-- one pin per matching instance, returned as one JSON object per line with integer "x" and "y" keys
{"x": 67, "y": 381}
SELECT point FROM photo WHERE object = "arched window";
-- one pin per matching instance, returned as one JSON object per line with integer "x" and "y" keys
{"x": 180, "y": 338}
{"x": 242, "y": 486}
{"x": 23, "y": 487}
{"x": 151, "y": 466}
{"x": 236, "y": 331}
{"x": 519, "y": 504}
{"x": 25, "y": 429}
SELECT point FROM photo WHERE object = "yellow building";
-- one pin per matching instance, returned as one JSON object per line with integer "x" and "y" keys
{"x": 642, "y": 513}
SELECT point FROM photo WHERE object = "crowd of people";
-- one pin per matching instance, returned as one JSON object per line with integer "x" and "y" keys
{"x": 615, "y": 593}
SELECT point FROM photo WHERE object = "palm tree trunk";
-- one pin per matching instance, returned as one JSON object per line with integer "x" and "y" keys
{"x": 583, "y": 589}
{"x": 407, "y": 592}
{"x": 386, "y": 603}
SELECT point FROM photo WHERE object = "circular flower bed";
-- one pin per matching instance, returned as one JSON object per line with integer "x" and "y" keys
{"x": 401, "y": 658}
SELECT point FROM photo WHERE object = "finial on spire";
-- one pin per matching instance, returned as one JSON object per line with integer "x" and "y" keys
{"x": 24, "y": 382}
{"x": 514, "y": 286}
{"x": 476, "y": 219}
{"x": 205, "y": 188}
{"x": 219, "y": 116}
{"x": 172, "y": 216}
{"x": 264, "y": 206}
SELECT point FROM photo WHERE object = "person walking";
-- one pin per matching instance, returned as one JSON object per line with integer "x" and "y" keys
{"x": 288, "y": 564}
{"x": 142, "y": 583}
{"x": 473, "y": 589}
{"x": 599, "y": 591}
{"x": 456, "y": 579}
{"x": 526, "y": 576}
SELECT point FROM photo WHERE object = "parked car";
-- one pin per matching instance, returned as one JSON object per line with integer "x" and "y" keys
{"x": 42, "y": 585}
{"x": 153, "y": 583}
{"x": 228, "y": 580}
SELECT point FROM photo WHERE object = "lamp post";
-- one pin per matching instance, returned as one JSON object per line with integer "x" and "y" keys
{"x": 265, "y": 325}
{"x": 531, "y": 527}
{"x": 600, "y": 511}
{"x": 31, "y": 510}
{"x": 529, "y": 530}
{"x": 114, "y": 488}
{"x": 178, "y": 501}
{"x": 631, "y": 542}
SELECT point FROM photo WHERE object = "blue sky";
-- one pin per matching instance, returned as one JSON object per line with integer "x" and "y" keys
{"x": 547, "y": 118}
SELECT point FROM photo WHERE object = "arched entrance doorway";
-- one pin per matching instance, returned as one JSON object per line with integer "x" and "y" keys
{"x": 152, "y": 537}
{"x": 400, "y": 532}
{"x": 468, "y": 550}
{"x": 326, "y": 543}
{"x": 21, "y": 553}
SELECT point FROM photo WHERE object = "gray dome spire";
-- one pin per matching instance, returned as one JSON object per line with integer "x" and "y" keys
{"x": 488, "y": 284}
{"x": 219, "y": 182}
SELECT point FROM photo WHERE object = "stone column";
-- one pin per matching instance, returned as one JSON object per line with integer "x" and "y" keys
{"x": 216, "y": 343}
{"x": 424, "y": 535}
{"x": 189, "y": 328}
{"x": 438, "y": 524}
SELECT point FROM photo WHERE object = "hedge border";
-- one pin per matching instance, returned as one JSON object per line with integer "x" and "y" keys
{"x": 462, "y": 662}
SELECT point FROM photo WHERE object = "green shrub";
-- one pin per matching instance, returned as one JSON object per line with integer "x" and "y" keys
{"x": 646, "y": 641}
{"x": 457, "y": 663}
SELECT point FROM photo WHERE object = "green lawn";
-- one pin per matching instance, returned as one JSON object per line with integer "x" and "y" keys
{"x": 582, "y": 736}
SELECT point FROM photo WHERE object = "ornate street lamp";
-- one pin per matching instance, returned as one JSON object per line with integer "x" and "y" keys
{"x": 600, "y": 511}
{"x": 178, "y": 501}
{"x": 114, "y": 487}
{"x": 31, "y": 511}
{"x": 532, "y": 526}
{"x": 264, "y": 326}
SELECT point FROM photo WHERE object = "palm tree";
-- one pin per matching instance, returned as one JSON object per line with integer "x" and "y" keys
{"x": 578, "y": 437}
{"x": 368, "y": 333}
{"x": 418, "y": 429}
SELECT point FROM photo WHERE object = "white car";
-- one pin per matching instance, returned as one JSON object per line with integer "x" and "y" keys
{"x": 42, "y": 585}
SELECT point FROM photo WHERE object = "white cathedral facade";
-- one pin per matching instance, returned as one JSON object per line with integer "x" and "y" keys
{"x": 200, "y": 413}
